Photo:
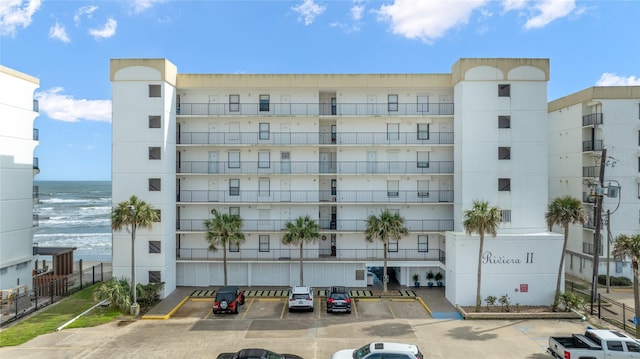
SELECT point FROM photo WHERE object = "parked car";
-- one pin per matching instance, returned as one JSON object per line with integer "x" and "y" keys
{"x": 301, "y": 298}
{"x": 595, "y": 343}
{"x": 338, "y": 300}
{"x": 384, "y": 350}
{"x": 228, "y": 299}
{"x": 256, "y": 354}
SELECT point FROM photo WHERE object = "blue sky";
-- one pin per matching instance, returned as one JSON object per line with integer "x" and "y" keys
{"x": 68, "y": 44}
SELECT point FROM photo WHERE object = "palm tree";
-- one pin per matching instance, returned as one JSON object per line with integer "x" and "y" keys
{"x": 481, "y": 219}
{"x": 384, "y": 227}
{"x": 629, "y": 246}
{"x": 564, "y": 210}
{"x": 304, "y": 229}
{"x": 223, "y": 229}
{"x": 137, "y": 214}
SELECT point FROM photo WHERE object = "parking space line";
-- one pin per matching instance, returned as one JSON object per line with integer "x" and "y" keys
{"x": 208, "y": 313}
{"x": 244, "y": 315}
{"x": 319, "y": 307}
{"x": 391, "y": 310}
{"x": 369, "y": 299}
{"x": 424, "y": 305}
{"x": 402, "y": 300}
{"x": 355, "y": 308}
{"x": 284, "y": 305}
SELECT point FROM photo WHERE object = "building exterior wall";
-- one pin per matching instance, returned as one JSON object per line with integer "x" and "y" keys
{"x": 335, "y": 147}
{"x": 18, "y": 140}
{"x": 580, "y": 126}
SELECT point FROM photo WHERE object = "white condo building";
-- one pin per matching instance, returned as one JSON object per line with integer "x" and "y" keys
{"x": 18, "y": 166}
{"x": 581, "y": 125}
{"x": 337, "y": 147}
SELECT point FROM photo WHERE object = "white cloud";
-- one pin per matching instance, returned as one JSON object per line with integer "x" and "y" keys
{"x": 65, "y": 108}
{"x": 357, "y": 9}
{"x": 108, "y": 30}
{"x": 611, "y": 79}
{"x": 85, "y": 10}
{"x": 427, "y": 20}
{"x": 139, "y": 6}
{"x": 308, "y": 11}
{"x": 509, "y": 5}
{"x": 14, "y": 14}
{"x": 549, "y": 10}
{"x": 58, "y": 31}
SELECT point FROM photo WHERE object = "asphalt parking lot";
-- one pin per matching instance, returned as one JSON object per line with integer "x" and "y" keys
{"x": 192, "y": 331}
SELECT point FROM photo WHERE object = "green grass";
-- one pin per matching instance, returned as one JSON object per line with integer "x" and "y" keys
{"x": 48, "y": 319}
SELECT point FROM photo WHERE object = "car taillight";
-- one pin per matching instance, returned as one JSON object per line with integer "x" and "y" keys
{"x": 292, "y": 299}
{"x": 348, "y": 300}
{"x": 331, "y": 300}
{"x": 567, "y": 355}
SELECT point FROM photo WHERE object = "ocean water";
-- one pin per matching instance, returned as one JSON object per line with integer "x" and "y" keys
{"x": 75, "y": 214}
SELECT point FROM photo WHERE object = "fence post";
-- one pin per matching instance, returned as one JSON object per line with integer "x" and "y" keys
{"x": 93, "y": 274}
{"x": 35, "y": 295}
{"x": 51, "y": 289}
{"x": 17, "y": 300}
{"x": 81, "y": 274}
{"x": 599, "y": 305}
{"x": 101, "y": 273}
{"x": 624, "y": 318}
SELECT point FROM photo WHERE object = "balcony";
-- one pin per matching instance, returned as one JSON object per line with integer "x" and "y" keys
{"x": 592, "y": 119}
{"x": 344, "y": 225}
{"x": 35, "y": 164}
{"x": 36, "y": 106}
{"x": 588, "y": 146}
{"x": 314, "y": 138}
{"x": 36, "y": 194}
{"x": 587, "y": 248}
{"x": 306, "y": 196}
{"x": 590, "y": 171}
{"x": 586, "y": 198}
{"x": 36, "y": 134}
{"x": 36, "y": 220}
{"x": 316, "y": 167}
{"x": 314, "y": 109}
{"x": 589, "y": 224}
{"x": 310, "y": 255}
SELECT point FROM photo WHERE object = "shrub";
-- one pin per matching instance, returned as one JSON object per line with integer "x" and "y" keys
{"x": 491, "y": 301}
{"x": 615, "y": 281}
{"x": 570, "y": 300}
{"x": 504, "y": 301}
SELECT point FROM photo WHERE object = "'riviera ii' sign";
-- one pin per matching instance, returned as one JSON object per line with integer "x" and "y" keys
{"x": 490, "y": 258}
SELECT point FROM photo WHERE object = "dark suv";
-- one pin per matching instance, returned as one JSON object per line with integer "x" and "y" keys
{"x": 338, "y": 300}
{"x": 228, "y": 299}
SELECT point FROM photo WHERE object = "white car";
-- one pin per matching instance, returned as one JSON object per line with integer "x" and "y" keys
{"x": 381, "y": 351}
{"x": 301, "y": 297}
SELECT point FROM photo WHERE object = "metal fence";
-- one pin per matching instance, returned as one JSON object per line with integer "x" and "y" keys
{"x": 47, "y": 289}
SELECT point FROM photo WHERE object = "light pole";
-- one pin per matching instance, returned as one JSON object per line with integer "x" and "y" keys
{"x": 135, "y": 310}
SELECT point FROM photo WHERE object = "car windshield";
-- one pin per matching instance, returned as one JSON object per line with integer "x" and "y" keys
{"x": 225, "y": 296}
{"x": 301, "y": 296}
{"x": 271, "y": 355}
{"x": 338, "y": 296}
{"x": 362, "y": 352}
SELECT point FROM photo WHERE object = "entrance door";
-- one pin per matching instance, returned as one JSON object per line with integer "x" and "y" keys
{"x": 325, "y": 162}
{"x": 285, "y": 162}
{"x": 372, "y": 162}
{"x": 285, "y": 190}
{"x": 214, "y": 163}
{"x": 213, "y": 191}
{"x": 285, "y": 134}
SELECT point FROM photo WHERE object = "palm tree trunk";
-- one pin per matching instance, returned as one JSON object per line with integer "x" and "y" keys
{"x": 636, "y": 297}
{"x": 385, "y": 276}
{"x": 133, "y": 265}
{"x": 479, "y": 280}
{"x": 301, "y": 275}
{"x": 559, "y": 280}
{"x": 224, "y": 260}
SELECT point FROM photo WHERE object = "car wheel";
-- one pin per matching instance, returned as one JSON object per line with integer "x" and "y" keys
{"x": 348, "y": 311}
{"x": 328, "y": 310}
{"x": 290, "y": 310}
{"x": 236, "y": 311}
{"x": 242, "y": 300}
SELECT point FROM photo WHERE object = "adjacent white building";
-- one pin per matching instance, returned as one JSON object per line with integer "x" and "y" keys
{"x": 581, "y": 125}
{"x": 338, "y": 148}
{"x": 18, "y": 166}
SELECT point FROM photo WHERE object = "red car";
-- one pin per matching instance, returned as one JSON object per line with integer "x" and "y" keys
{"x": 228, "y": 299}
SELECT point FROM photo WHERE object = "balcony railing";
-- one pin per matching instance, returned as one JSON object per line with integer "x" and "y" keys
{"x": 35, "y": 163}
{"x": 314, "y": 138}
{"x": 587, "y": 248}
{"x": 36, "y": 194}
{"x": 587, "y": 198}
{"x": 344, "y": 225}
{"x": 592, "y": 145}
{"x": 367, "y": 196}
{"x": 310, "y": 255}
{"x": 36, "y": 220}
{"x": 314, "y": 109}
{"x": 36, "y": 134}
{"x": 315, "y": 167}
{"x": 592, "y": 119}
{"x": 36, "y": 106}
{"x": 590, "y": 171}
{"x": 589, "y": 224}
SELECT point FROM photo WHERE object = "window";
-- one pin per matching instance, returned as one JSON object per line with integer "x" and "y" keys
{"x": 154, "y": 153}
{"x": 615, "y": 346}
{"x": 633, "y": 347}
{"x": 393, "y": 131}
{"x": 504, "y": 121}
{"x": 154, "y": 122}
{"x": 155, "y": 91}
{"x": 423, "y": 243}
{"x": 263, "y": 187}
{"x": 504, "y": 90}
{"x": 264, "y": 102}
{"x": 234, "y": 187}
{"x": 264, "y": 131}
{"x": 392, "y": 102}
{"x": 423, "y": 159}
{"x": 505, "y": 216}
{"x": 154, "y": 247}
{"x": 423, "y": 103}
{"x": 393, "y": 245}
{"x": 263, "y": 245}
{"x": 234, "y": 211}
{"x": 234, "y": 159}
{"x": 393, "y": 188}
{"x": 504, "y": 153}
{"x": 234, "y": 103}
{"x": 234, "y": 246}
{"x": 334, "y": 186}
{"x": 155, "y": 276}
{"x": 263, "y": 159}
{"x": 423, "y": 131}
{"x": 504, "y": 184}
{"x": 159, "y": 213}
{"x": 423, "y": 188}
{"x": 154, "y": 184}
